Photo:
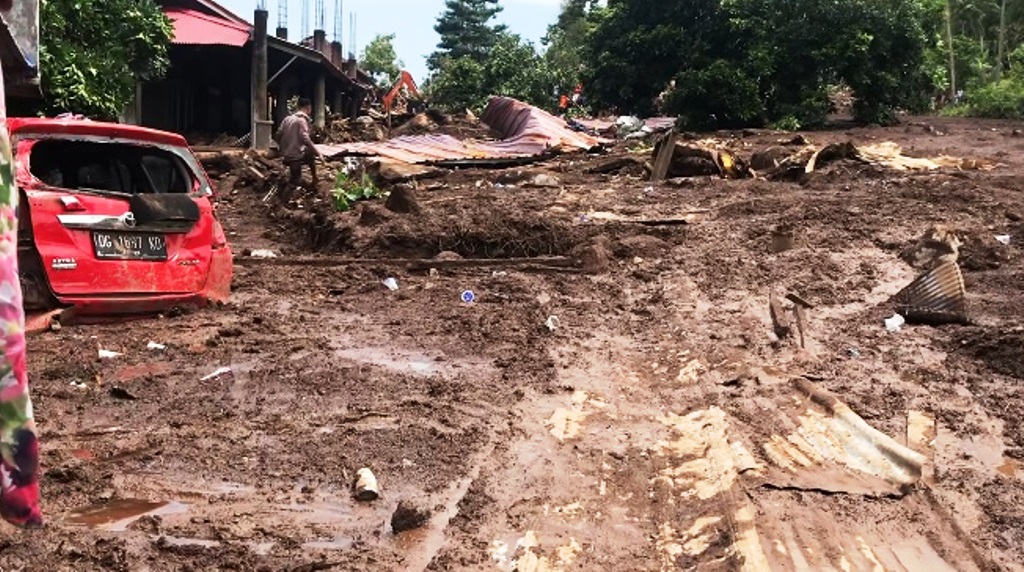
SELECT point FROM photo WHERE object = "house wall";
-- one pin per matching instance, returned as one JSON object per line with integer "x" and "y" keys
{"x": 206, "y": 92}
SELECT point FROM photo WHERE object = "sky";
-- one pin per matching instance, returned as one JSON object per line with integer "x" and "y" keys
{"x": 412, "y": 22}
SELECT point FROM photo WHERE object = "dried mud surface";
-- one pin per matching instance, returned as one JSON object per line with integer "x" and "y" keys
{"x": 512, "y": 446}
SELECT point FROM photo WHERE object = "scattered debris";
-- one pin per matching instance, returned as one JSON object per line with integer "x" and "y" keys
{"x": 262, "y": 253}
{"x": 936, "y": 297}
{"x": 895, "y": 323}
{"x": 365, "y": 488}
{"x": 107, "y": 354}
{"x": 468, "y": 296}
{"x": 780, "y": 318}
{"x": 391, "y": 283}
{"x": 155, "y": 346}
{"x": 408, "y": 517}
{"x": 1003, "y": 239}
{"x": 217, "y": 373}
{"x": 783, "y": 238}
{"x": 122, "y": 393}
{"x": 528, "y": 134}
{"x": 938, "y": 245}
{"x": 552, "y": 323}
{"x": 544, "y": 180}
{"x": 799, "y": 300}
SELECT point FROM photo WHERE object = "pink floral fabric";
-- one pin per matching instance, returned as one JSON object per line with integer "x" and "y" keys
{"x": 19, "y": 447}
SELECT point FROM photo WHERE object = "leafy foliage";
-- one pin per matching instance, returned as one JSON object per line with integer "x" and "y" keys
{"x": 566, "y": 42}
{"x": 348, "y": 190}
{"x": 465, "y": 31}
{"x": 743, "y": 62}
{"x": 94, "y": 52}
{"x": 380, "y": 60}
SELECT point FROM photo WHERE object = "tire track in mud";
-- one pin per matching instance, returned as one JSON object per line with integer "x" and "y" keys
{"x": 660, "y": 455}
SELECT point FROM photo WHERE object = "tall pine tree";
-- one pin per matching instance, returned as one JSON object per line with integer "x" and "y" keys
{"x": 465, "y": 31}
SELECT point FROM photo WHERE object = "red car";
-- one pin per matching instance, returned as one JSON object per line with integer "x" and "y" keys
{"x": 114, "y": 219}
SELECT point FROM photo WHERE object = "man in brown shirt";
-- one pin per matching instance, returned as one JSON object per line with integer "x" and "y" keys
{"x": 297, "y": 148}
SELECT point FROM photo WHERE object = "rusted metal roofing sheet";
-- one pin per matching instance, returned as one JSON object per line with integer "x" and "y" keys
{"x": 526, "y": 130}
{"x": 530, "y": 127}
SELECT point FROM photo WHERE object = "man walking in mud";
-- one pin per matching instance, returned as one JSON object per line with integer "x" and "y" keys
{"x": 297, "y": 147}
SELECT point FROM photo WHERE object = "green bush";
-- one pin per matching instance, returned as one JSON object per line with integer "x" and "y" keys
{"x": 719, "y": 95}
{"x": 1003, "y": 99}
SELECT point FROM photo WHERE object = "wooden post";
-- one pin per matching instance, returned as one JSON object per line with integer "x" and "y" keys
{"x": 319, "y": 100}
{"x": 664, "y": 159}
{"x": 259, "y": 73}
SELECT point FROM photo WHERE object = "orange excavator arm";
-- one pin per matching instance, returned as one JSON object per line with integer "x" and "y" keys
{"x": 405, "y": 80}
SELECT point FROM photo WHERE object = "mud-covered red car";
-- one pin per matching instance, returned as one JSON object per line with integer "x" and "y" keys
{"x": 114, "y": 219}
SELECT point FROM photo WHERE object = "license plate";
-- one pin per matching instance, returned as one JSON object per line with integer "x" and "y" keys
{"x": 129, "y": 246}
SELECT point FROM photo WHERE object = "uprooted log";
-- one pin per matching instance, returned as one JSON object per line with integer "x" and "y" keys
{"x": 694, "y": 159}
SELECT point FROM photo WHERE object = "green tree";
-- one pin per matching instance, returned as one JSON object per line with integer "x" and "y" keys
{"x": 465, "y": 30}
{"x": 93, "y": 53}
{"x": 513, "y": 69}
{"x": 566, "y": 41}
{"x": 380, "y": 60}
{"x": 749, "y": 62}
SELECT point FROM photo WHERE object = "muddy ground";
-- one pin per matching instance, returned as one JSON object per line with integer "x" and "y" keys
{"x": 601, "y": 445}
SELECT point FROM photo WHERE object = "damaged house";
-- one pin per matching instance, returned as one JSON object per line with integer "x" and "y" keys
{"x": 230, "y": 77}
{"x": 19, "y": 51}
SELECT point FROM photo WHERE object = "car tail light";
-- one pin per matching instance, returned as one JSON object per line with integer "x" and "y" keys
{"x": 72, "y": 204}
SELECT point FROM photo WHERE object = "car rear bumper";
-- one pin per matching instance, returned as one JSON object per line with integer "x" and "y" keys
{"x": 121, "y": 305}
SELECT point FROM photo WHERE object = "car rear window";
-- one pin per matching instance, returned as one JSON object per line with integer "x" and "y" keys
{"x": 113, "y": 167}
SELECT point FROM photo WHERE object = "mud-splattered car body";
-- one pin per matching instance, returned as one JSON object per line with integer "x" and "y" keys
{"x": 114, "y": 219}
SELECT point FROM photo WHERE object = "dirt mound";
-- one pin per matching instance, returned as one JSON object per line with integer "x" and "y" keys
{"x": 999, "y": 351}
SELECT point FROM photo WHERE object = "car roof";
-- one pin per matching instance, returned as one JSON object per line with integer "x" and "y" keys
{"x": 85, "y": 127}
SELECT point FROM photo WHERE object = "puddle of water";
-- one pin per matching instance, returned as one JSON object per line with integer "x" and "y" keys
{"x": 339, "y": 543}
{"x": 181, "y": 541}
{"x": 241, "y": 375}
{"x": 117, "y": 514}
{"x": 1009, "y": 467}
{"x": 402, "y": 362}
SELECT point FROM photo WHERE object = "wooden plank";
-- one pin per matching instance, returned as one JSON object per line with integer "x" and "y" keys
{"x": 664, "y": 159}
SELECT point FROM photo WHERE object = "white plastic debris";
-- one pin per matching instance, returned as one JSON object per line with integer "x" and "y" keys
{"x": 262, "y": 253}
{"x": 155, "y": 346}
{"x": 391, "y": 283}
{"x": 552, "y": 323}
{"x": 895, "y": 323}
{"x": 366, "y": 488}
{"x": 498, "y": 273}
{"x": 1003, "y": 238}
{"x": 107, "y": 354}
{"x": 219, "y": 372}
{"x": 79, "y": 385}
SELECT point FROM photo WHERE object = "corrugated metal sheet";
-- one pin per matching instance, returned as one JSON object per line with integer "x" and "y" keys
{"x": 526, "y": 132}
{"x": 196, "y": 28}
{"x": 533, "y": 128}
